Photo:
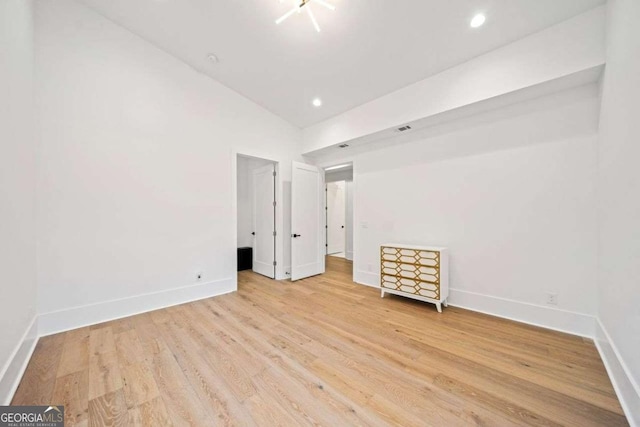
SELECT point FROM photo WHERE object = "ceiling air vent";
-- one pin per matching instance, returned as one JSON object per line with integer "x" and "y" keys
{"x": 404, "y": 128}
{"x": 343, "y": 145}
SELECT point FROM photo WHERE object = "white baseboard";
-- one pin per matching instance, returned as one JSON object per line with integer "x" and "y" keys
{"x": 366, "y": 278}
{"x": 537, "y": 315}
{"x": 349, "y": 255}
{"x": 76, "y": 317}
{"x": 626, "y": 388}
{"x": 285, "y": 274}
{"x": 17, "y": 363}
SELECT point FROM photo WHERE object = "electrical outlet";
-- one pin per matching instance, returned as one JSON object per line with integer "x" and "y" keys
{"x": 552, "y": 298}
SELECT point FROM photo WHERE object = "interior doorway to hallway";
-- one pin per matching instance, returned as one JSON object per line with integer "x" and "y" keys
{"x": 336, "y": 233}
{"x": 256, "y": 215}
{"x": 339, "y": 211}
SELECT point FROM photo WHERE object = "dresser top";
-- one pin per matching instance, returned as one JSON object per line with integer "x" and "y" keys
{"x": 405, "y": 246}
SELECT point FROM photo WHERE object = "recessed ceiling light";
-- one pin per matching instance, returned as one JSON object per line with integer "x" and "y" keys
{"x": 317, "y": 102}
{"x": 211, "y": 57}
{"x": 478, "y": 20}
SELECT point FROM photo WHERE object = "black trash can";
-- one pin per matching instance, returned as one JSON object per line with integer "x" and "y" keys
{"x": 245, "y": 258}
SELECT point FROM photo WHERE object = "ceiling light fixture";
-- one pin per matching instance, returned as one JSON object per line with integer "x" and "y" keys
{"x": 305, "y": 3}
{"x": 478, "y": 20}
{"x": 317, "y": 102}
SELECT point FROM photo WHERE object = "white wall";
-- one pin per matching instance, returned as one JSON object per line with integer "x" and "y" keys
{"x": 510, "y": 192}
{"x": 619, "y": 205}
{"x": 137, "y": 183}
{"x": 245, "y": 203}
{"x": 17, "y": 191}
{"x": 561, "y": 50}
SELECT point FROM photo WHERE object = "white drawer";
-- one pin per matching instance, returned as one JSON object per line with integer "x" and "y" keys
{"x": 411, "y": 286}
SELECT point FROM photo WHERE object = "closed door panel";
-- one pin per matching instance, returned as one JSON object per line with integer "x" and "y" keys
{"x": 307, "y": 221}
{"x": 336, "y": 217}
{"x": 264, "y": 221}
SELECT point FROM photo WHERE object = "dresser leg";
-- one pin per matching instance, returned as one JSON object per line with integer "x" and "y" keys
{"x": 439, "y": 307}
{"x": 381, "y": 293}
{"x": 445, "y": 303}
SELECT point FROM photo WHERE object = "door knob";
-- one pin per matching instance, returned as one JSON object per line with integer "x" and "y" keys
{"x": 296, "y": 235}
{"x": 253, "y": 233}
{"x": 343, "y": 226}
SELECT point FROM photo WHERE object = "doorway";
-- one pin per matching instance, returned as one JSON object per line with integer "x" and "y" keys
{"x": 339, "y": 211}
{"x": 336, "y": 212}
{"x": 256, "y": 215}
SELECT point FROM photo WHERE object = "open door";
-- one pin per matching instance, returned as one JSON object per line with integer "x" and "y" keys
{"x": 264, "y": 225}
{"x": 307, "y": 221}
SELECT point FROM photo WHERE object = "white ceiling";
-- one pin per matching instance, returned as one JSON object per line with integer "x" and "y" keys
{"x": 367, "y": 48}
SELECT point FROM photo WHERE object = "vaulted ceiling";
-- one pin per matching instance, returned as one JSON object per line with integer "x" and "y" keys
{"x": 366, "y": 49}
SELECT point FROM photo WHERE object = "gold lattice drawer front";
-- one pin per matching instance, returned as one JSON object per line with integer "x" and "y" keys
{"x": 411, "y": 286}
{"x": 425, "y": 273}
{"x": 412, "y": 271}
{"x": 410, "y": 256}
{"x": 418, "y": 272}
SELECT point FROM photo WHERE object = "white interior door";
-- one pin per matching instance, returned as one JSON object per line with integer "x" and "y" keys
{"x": 336, "y": 217}
{"x": 264, "y": 221}
{"x": 307, "y": 221}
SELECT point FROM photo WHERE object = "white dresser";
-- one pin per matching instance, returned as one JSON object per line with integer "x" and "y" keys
{"x": 418, "y": 272}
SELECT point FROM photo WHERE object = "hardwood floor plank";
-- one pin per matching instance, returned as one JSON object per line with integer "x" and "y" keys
{"x": 36, "y": 386}
{"x": 138, "y": 384}
{"x": 210, "y": 387}
{"x": 181, "y": 402}
{"x": 150, "y": 414}
{"x": 72, "y": 391}
{"x": 509, "y": 410}
{"x": 128, "y": 347}
{"x": 75, "y": 356}
{"x": 267, "y": 412}
{"x": 295, "y": 400}
{"x": 77, "y": 334}
{"x": 104, "y": 374}
{"x": 239, "y": 381}
{"x": 101, "y": 341}
{"x": 108, "y": 410}
{"x": 117, "y": 326}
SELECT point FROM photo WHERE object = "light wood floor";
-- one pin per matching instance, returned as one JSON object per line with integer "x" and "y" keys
{"x": 319, "y": 351}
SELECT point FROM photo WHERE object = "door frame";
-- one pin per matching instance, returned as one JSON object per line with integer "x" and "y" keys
{"x": 279, "y": 214}
{"x": 355, "y": 228}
